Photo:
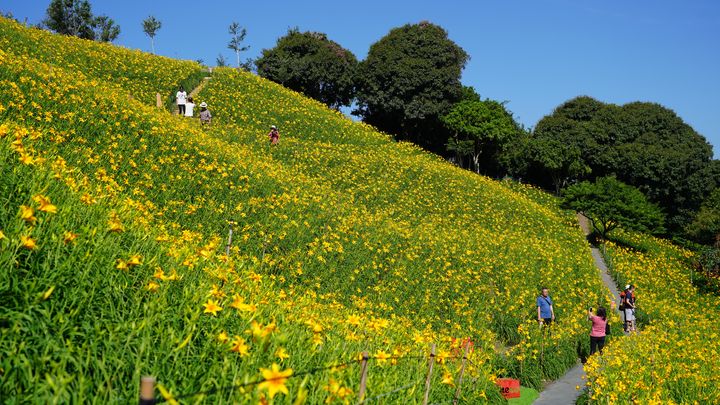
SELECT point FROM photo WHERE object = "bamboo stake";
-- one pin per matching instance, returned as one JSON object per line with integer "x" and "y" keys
{"x": 229, "y": 242}
{"x": 431, "y": 362}
{"x": 158, "y": 100}
{"x": 462, "y": 371}
{"x": 147, "y": 390}
{"x": 363, "y": 376}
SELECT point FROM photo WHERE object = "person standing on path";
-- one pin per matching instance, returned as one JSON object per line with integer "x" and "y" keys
{"x": 546, "y": 313}
{"x": 205, "y": 116}
{"x": 598, "y": 331}
{"x": 181, "y": 99}
{"x": 630, "y": 308}
{"x": 189, "y": 107}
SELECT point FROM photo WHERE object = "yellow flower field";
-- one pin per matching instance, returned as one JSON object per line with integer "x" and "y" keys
{"x": 676, "y": 358}
{"x": 116, "y": 215}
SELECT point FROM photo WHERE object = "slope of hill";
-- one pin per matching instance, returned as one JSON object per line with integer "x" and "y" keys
{"x": 114, "y": 215}
{"x": 676, "y": 357}
{"x": 128, "y": 71}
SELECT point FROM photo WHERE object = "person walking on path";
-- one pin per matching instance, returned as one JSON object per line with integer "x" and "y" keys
{"x": 274, "y": 135}
{"x": 630, "y": 308}
{"x": 546, "y": 313}
{"x": 599, "y": 329}
{"x": 205, "y": 116}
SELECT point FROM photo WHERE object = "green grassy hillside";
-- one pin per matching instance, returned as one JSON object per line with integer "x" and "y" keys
{"x": 344, "y": 241}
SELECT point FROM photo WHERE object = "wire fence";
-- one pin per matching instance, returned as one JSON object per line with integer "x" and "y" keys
{"x": 147, "y": 389}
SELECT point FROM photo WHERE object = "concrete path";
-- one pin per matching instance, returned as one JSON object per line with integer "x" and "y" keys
{"x": 563, "y": 391}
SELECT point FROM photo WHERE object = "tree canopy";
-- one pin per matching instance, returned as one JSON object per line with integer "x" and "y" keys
{"x": 151, "y": 25}
{"x": 75, "y": 17}
{"x": 237, "y": 36}
{"x": 609, "y": 203}
{"x": 477, "y": 125}
{"x": 643, "y": 144}
{"x": 310, "y": 63}
{"x": 410, "y": 78}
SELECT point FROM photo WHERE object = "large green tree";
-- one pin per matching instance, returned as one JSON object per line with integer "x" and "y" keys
{"x": 554, "y": 154}
{"x": 75, "y": 17}
{"x": 610, "y": 203}
{"x": 410, "y": 78}
{"x": 643, "y": 144}
{"x": 310, "y": 63}
{"x": 477, "y": 126}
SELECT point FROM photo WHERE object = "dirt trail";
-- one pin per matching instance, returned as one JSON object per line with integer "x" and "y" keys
{"x": 194, "y": 92}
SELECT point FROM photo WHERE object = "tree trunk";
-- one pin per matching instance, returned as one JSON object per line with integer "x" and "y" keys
{"x": 476, "y": 162}
{"x": 237, "y": 54}
{"x": 152, "y": 44}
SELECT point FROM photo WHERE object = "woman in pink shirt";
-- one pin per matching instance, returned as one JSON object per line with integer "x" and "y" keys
{"x": 597, "y": 334}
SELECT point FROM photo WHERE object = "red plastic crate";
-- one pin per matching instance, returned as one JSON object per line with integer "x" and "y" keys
{"x": 509, "y": 387}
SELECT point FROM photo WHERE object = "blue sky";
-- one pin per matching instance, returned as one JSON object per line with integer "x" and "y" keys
{"x": 533, "y": 54}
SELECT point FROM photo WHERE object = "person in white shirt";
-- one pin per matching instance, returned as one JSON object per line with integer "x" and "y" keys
{"x": 181, "y": 98}
{"x": 189, "y": 107}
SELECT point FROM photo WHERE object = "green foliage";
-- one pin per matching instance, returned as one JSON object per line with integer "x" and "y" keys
{"x": 70, "y": 17}
{"x": 410, "y": 78}
{"x": 553, "y": 152}
{"x": 237, "y": 36}
{"x": 476, "y": 125}
{"x": 105, "y": 29}
{"x": 643, "y": 144}
{"x": 705, "y": 227}
{"x": 75, "y": 17}
{"x": 151, "y": 25}
{"x": 609, "y": 203}
{"x": 312, "y": 64}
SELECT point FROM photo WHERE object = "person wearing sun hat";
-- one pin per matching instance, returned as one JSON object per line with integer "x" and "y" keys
{"x": 205, "y": 116}
{"x": 274, "y": 135}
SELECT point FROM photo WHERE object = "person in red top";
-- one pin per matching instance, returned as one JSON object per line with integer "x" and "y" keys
{"x": 274, "y": 135}
{"x": 597, "y": 334}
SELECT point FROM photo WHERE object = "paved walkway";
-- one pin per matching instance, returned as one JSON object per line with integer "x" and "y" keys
{"x": 563, "y": 391}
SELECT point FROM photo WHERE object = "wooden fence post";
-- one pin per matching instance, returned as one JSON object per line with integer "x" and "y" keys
{"x": 147, "y": 390}
{"x": 158, "y": 100}
{"x": 431, "y": 361}
{"x": 363, "y": 376}
{"x": 229, "y": 242}
{"x": 462, "y": 371}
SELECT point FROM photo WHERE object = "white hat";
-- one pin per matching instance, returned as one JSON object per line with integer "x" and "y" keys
{"x": 627, "y": 287}
{"x": 203, "y": 104}
{"x": 273, "y": 127}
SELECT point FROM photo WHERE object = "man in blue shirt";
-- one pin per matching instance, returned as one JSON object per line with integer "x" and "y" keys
{"x": 546, "y": 314}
